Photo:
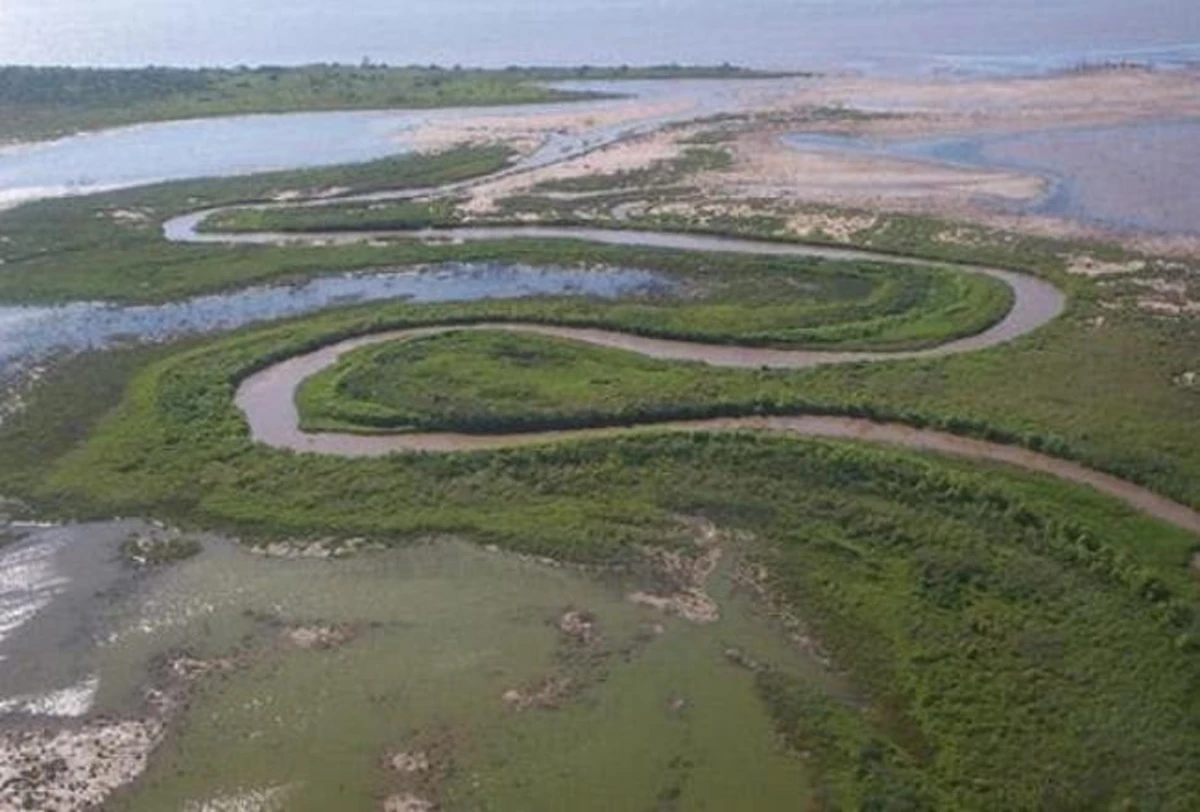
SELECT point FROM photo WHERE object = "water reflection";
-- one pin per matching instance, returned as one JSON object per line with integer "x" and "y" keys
{"x": 1139, "y": 176}
{"x": 32, "y": 332}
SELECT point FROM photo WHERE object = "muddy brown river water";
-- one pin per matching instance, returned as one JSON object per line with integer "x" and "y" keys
{"x": 268, "y": 401}
{"x": 268, "y": 397}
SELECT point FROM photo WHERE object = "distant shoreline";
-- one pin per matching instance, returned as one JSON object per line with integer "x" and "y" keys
{"x": 40, "y": 103}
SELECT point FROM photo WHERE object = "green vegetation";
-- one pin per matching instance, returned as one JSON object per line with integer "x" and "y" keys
{"x": 111, "y": 247}
{"x": 1010, "y": 642}
{"x": 45, "y": 102}
{"x": 1018, "y": 642}
{"x": 900, "y": 234}
{"x": 494, "y": 381}
{"x": 1071, "y": 393}
{"x": 1102, "y": 394}
{"x": 83, "y": 249}
{"x": 400, "y": 214}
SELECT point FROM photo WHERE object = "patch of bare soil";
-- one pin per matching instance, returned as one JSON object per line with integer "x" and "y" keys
{"x": 624, "y": 156}
{"x": 140, "y": 217}
{"x": 190, "y": 669}
{"x": 767, "y": 169}
{"x": 270, "y": 799}
{"x": 1157, "y": 306}
{"x": 409, "y": 762}
{"x": 765, "y": 166}
{"x": 829, "y": 226}
{"x": 527, "y": 133}
{"x": 548, "y": 694}
{"x": 685, "y": 574}
{"x": 73, "y": 769}
{"x": 70, "y": 767}
{"x": 329, "y": 548}
{"x": 418, "y": 769}
{"x": 320, "y": 636}
{"x": 408, "y": 802}
{"x": 579, "y": 627}
{"x": 1085, "y": 265}
{"x": 932, "y": 106}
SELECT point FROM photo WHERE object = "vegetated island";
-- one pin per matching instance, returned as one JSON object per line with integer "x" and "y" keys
{"x": 46, "y": 102}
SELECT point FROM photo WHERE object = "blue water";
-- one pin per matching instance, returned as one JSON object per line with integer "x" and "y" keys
{"x": 878, "y": 35}
{"x": 198, "y": 148}
{"x": 1142, "y": 176}
{"x": 29, "y": 333}
{"x": 241, "y": 145}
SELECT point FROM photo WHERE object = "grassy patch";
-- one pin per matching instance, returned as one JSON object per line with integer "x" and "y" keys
{"x": 494, "y": 381}
{"x": 110, "y": 246}
{"x": 44, "y": 102}
{"x": 1072, "y": 391}
{"x": 403, "y": 214}
{"x": 1020, "y": 643}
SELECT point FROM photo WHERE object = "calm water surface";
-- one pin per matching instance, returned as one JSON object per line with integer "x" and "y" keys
{"x": 435, "y": 636}
{"x": 240, "y": 145}
{"x": 33, "y": 332}
{"x": 885, "y": 35}
{"x": 235, "y": 145}
{"x": 1143, "y": 176}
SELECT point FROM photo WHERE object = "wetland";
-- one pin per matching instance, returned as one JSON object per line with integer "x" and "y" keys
{"x": 546, "y": 507}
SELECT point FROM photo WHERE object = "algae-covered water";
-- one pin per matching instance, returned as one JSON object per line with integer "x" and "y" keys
{"x": 507, "y": 683}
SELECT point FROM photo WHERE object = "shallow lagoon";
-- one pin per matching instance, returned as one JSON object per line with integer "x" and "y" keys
{"x": 432, "y": 641}
{"x": 1141, "y": 176}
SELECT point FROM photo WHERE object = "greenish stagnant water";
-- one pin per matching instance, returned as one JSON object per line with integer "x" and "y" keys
{"x": 660, "y": 718}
